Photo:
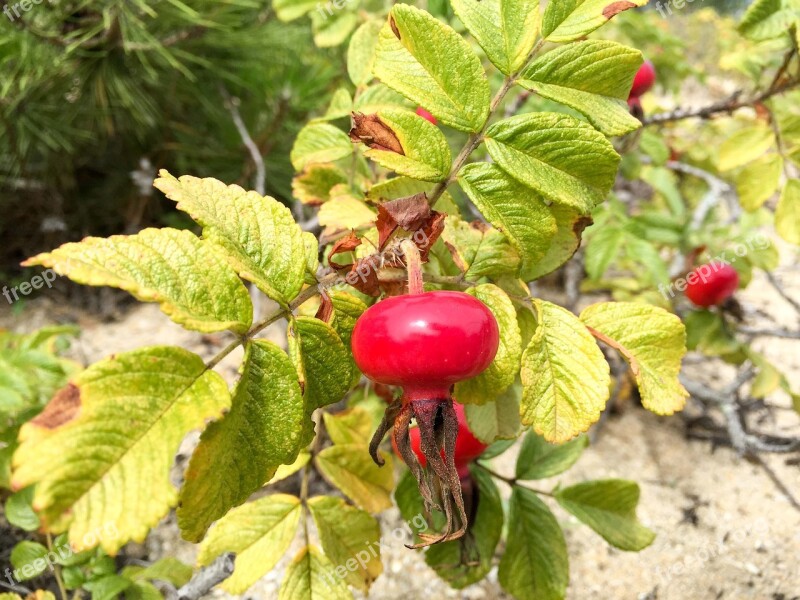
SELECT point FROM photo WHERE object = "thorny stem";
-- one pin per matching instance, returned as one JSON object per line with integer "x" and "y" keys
{"x": 475, "y": 139}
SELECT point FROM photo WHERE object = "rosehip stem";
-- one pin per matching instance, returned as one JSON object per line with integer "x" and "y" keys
{"x": 414, "y": 266}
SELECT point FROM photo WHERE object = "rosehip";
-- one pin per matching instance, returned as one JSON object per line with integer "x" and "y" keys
{"x": 468, "y": 447}
{"x": 711, "y": 284}
{"x": 426, "y": 115}
{"x": 425, "y": 343}
{"x": 644, "y": 80}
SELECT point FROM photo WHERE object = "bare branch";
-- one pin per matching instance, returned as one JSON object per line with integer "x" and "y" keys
{"x": 205, "y": 579}
{"x": 232, "y": 104}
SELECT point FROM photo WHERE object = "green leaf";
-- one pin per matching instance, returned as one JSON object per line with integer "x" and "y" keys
{"x": 565, "y": 160}
{"x": 352, "y": 426}
{"x": 767, "y": 19}
{"x": 570, "y": 224}
{"x": 609, "y": 507}
{"x": 332, "y": 27}
{"x": 242, "y": 451}
{"x": 787, "y": 215}
{"x": 565, "y": 376}
{"x": 468, "y": 560}
{"x": 535, "y": 562}
{"x": 289, "y": 10}
{"x": 514, "y": 209}
{"x": 498, "y": 419}
{"x": 479, "y": 251}
{"x": 569, "y": 20}
{"x": 433, "y": 66}
{"x": 652, "y": 341}
{"x": 114, "y": 431}
{"x": 757, "y": 182}
{"x": 346, "y": 311}
{"x": 348, "y": 534}
{"x": 377, "y": 97}
{"x": 258, "y": 233}
{"x": 108, "y": 587}
{"x": 594, "y": 77}
{"x": 504, "y": 368}
{"x": 19, "y": 510}
{"x": 602, "y": 249}
{"x": 311, "y": 576}
{"x": 259, "y": 532}
{"x": 745, "y": 146}
{"x": 28, "y": 558}
{"x": 539, "y": 459}
{"x": 187, "y": 277}
{"x": 361, "y": 52}
{"x": 319, "y": 143}
{"x": 426, "y": 153}
{"x": 350, "y": 468}
{"x": 505, "y": 29}
{"x": 340, "y": 106}
{"x": 326, "y": 363}
{"x": 286, "y": 471}
{"x": 167, "y": 569}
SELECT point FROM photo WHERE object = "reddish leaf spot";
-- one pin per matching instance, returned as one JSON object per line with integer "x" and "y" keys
{"x": 615, "y": 8}
{"x": 393, "y": 25}
{"x": 61, "y": 409}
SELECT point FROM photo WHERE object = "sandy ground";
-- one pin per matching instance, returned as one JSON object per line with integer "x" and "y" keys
{"x": 724, "y": 529}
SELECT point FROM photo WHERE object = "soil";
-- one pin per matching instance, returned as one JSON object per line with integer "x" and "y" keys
{"x": 725, "y": 530}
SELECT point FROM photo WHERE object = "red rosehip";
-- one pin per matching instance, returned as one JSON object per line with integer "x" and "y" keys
{"x": 468, "y": 447}
{"x": 644, "y": 80}
{"x": 426, "y": 115}
{"x": 711, "y": 284}
{"x": 425, "y": 343}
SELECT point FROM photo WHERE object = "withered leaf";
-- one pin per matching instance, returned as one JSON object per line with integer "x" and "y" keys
{"x": 325, "y": 310}
{"x": 431, "y": 231}
{"x": 615, "y": 8}
{"x": 373, "y": 132}
{"x": 410, "y": 213}
{"x": 346, "y": 244}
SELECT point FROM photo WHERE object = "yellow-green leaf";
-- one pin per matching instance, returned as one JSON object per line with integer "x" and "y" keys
{"x": 113, "y": 432}
{"x": 188, "y": 277}
{"x": 331, "y": 26}
{"x": 433, "y": 66}
{"x": 565, "y": 160}
{"x": 514, "y": 209}
{"x": 505, "y": 29}
{"x": 565, "y": 376}
{"x": 426, "y": 154}
{"x": 350, "y": 468}
{"x": 314, "y": 184}
{"x": 652, "y": 341}
{"x": 569, "y": 20}
{"x": 745, "y": 146}
{"x": 787, "y": 215}
{"x": 345, "y": 211}
{"x": 570, "y": 224}
{"x": 361, "y": 52}
{"x": 539, "y": 459}
{"x": 594, "y": 77}
{"x": 289, "y": 10}
{"x": 348, "y": 533}
{"x": 259, "y": 532}
{"x": 504, "y": 368}
{"x": 498, "y": 419}
{"x": 311, "y": 576}
{"x": 352, "y": 426}
{"x": 757, "y": 182}
{"x": 258, "y": 233}
{"x": 242, "y": 451}
{"x": 319, "y": 143}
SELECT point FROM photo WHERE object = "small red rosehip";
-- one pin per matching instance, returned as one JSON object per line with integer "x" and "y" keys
{"x": 711, "y": 284}
{"x": 426, "y": 343}
{"x": 644, "y": 80}
{"x": 426, "y": 115}
{"x": 468, "y": 447}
